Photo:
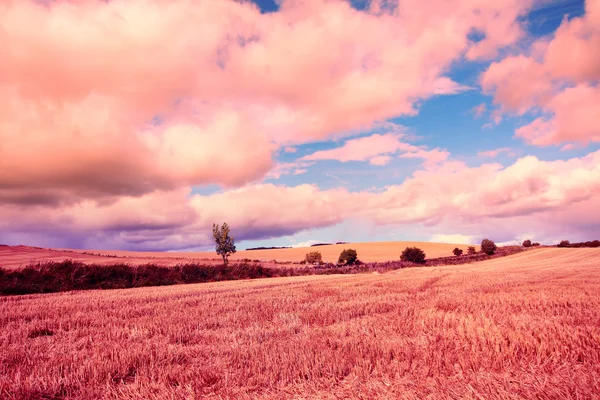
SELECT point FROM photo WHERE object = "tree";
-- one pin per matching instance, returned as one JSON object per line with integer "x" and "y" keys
{"x": 413, "y": 254}
{"x": 488, "y": 246}
{"x": 527, "y": 243}
{"x": 564, "y": 243}
{"x": 471, "y": 250}
{"x": 535, "y": 244}
{"x": 348, "y": 257}
{"x": 224, "y": 244}
{"x": 457, "y": 252}
{"x": 314, "y": 257}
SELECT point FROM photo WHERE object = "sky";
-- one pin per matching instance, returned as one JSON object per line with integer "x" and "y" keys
{"x": 137, "y": 124}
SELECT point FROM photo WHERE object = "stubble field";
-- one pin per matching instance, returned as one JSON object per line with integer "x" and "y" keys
{"x": 525, "y": 326}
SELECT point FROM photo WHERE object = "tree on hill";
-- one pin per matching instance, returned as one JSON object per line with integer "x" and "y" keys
{"x": 224, "y": 243}
{"x": 564, "y": 243}
{"x": 471, "y": 250}
{"x": 348, "y": 257}
{"x": 527, "y": 243}
{"x": 457, "y": 252}
{"x": 413, "y": 254}
{"x": 488, "y": 246}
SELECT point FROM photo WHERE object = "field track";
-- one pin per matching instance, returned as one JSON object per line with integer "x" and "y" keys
{"x": 526, "y": 326}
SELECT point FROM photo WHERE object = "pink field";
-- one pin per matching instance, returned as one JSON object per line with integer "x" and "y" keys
{"x": 525, "y": 326}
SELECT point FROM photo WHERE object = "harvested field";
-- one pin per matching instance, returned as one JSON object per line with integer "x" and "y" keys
{"x": 19, "y": 256}
{"x": 526, "y": 326}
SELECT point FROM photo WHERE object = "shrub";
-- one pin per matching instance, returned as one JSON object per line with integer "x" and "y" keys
{"x": 413, "y": 254}
{"x": 527, "y": 243}
{"x": 348, "y": 257}
{"x": 471, "y": 250}
{"x": 488, "y": 246}
{"x": 457, "y": 252}
{"x": 564, "y": 243}
{"x": 314, "y": 257}
{"x": 535, "y": 244}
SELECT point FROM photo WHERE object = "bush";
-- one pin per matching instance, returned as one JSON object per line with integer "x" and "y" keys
{"x": 488, "y": 246}
{"x": 413, "y": 254}
{"x": 535, "y": 244}
{"x": 457, "y": 252}
{"x": 471, "y": 250}
{"x": 348, "y": 257}
{"x": 314, "y": 257}
{"x": 564, "y": 243}
{"x": 527, "y": 243}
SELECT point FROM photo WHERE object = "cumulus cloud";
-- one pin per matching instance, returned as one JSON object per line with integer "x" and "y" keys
{"x": 559, "y": 78}
{"x": 108, "y": 99}
{"x": 549, "y": 197}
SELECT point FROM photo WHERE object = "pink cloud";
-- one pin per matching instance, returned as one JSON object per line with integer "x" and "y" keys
{"x": 380, "y": 160}
{"x": 453, "y": 196}
{"x": 576, "y": 112}
{"x": 377, "y": 149}
{"x": 479, "y": 110}
{"x": 431, "y": 157}
{"x": 86, "y": 82}
{"x": 494, "y": 153}
{"x": 362, "y": 149}
{"x": 560, "y": 78}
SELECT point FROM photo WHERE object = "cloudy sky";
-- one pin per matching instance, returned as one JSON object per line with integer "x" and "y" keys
{"x": 136, "y": 124}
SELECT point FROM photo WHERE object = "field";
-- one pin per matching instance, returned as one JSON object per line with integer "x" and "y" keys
{"x": 525, "y": 326}
{"x": 16, "y": 256}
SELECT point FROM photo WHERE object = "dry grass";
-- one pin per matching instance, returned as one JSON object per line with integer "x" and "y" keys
{"x": 520, "y": 327}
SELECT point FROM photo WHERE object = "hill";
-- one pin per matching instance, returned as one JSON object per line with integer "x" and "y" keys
{"x": 15, "y": 256}
{"x": 523, "y": 326}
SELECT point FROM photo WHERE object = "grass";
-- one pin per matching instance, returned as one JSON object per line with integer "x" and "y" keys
{"x": 519, "y": 327}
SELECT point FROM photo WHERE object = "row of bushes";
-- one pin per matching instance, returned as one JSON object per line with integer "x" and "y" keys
{"x": 70, "y": 275}
{"x": 410, "y": 254}
{"x": 566, "y": 243}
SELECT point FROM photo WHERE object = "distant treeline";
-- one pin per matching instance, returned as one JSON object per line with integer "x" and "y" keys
{"x": 268, "y": 248}
{"x": 566, "y": 243}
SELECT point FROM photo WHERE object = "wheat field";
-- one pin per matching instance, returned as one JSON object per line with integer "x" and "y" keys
{"x": 525, "y": 326}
